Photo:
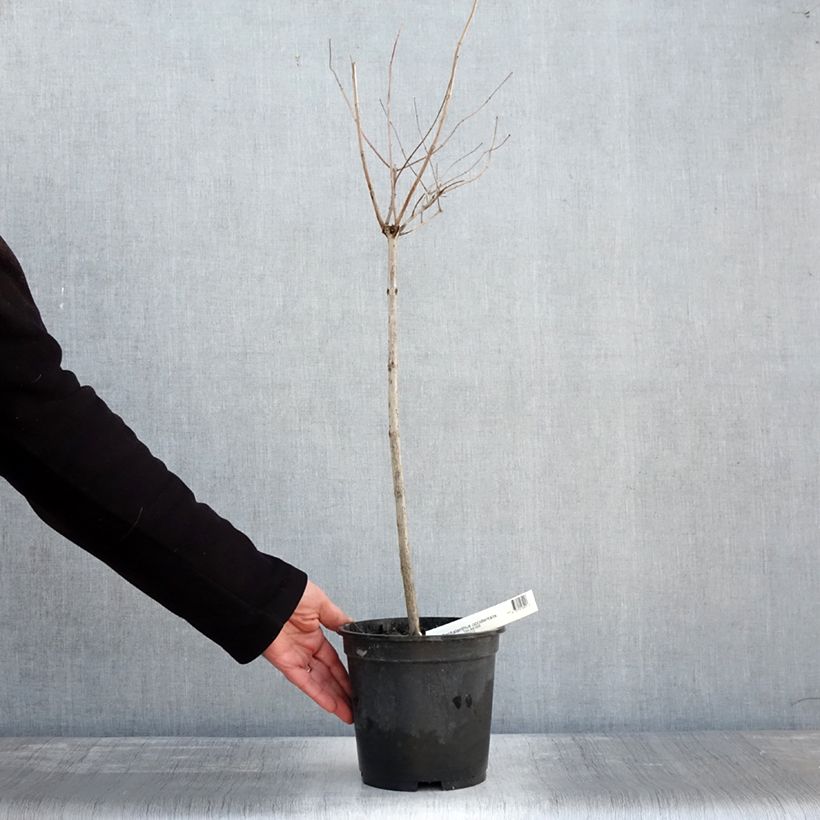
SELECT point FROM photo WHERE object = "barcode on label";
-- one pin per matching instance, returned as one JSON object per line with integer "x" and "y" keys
{"x": 519, "y": 603}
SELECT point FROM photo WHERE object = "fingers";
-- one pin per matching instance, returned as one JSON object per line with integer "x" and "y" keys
{"x": 323, "y": 676}
{"x": 318, "y": 684}
{"x": 320, "y": 673}
{"x": 329, "y": 657}
{"x": 301, "y": 678}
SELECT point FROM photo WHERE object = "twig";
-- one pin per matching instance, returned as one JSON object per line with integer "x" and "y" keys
{"x": 401, "y": 147}
{"x": 349, "y": 106}
{"x": 410, "y": 161}
{"x": 463, "y": 156}
{"x": 392, "y": 209}
{"x": 472, "y": 113}
{"x": 358, "y": 117}
{"x": 454, "y": 183}
{"x": 443, "y": 116}
{"x": 418, "y": 126}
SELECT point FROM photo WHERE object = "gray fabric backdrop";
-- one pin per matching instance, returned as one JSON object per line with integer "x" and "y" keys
{"x": 610, "y": 345}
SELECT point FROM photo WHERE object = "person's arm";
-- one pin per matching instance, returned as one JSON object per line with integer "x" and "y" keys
{"x": 86, "y": 474}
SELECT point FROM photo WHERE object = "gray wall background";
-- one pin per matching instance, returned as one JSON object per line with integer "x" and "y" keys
{"x": 610, "y": 346}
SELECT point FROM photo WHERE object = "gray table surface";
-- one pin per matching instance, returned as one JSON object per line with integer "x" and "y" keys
{"x": 671, "y": 775}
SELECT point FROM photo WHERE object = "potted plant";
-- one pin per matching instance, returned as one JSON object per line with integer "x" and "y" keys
{"x": 422, "y": 704}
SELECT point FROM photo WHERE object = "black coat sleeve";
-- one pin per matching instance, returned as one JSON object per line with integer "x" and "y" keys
{"x": 85, "y": 473}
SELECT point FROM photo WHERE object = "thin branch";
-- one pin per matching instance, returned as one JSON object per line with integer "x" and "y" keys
{"x": 393, "y": 128}
{"x": 472, "y": 113}
{"x": 444, "y": 142}
{"x": 333, "y": 71}
{"x": 404, "y": 231}
{"x": 418, "y": 125}
{"x": 464, "y": 156}
{"x": 443, "y": 116}
{"x": 392, "y": 209}
{"x": 458, "y": 182}
{"x": 358, "y": 117}
{"x": 426, "y": 201}
{"x": 349, "y": 106}
{"x": 487, "y": 152}
{"x": 401, "y": 147}
{"x": 411, "y": 161}
{"x": 420, "y": 200}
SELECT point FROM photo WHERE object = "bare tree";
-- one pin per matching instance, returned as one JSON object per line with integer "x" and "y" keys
{"x": 416, "y": 185}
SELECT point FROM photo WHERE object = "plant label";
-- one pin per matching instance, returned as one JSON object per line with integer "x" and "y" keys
{"x": 492, "y": 618}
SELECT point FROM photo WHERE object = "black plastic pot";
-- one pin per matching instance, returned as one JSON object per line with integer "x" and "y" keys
{"x": 422, "y": 707}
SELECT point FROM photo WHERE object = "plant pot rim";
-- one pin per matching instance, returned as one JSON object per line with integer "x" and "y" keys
{"x": 359, "y": 629}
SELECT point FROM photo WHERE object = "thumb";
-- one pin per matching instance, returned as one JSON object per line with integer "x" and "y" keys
{"x": 331, "y": 616}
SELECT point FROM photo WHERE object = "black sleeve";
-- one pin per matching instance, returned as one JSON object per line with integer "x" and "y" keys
{"x": 85, "y": 473}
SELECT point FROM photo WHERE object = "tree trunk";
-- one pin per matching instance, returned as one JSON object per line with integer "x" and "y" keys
{"x": 395, "y": 442}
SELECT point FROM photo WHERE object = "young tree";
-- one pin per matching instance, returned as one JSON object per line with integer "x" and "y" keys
{"x": 416, "y": 185}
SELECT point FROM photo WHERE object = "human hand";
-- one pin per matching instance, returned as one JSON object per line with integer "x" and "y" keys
{"x": 303, "y": 654}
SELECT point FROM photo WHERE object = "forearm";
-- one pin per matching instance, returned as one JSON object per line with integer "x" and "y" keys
{"x": 88, "y": 476}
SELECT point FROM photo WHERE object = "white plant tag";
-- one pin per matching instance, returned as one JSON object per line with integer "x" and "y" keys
{"x": 491, "y": 618}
